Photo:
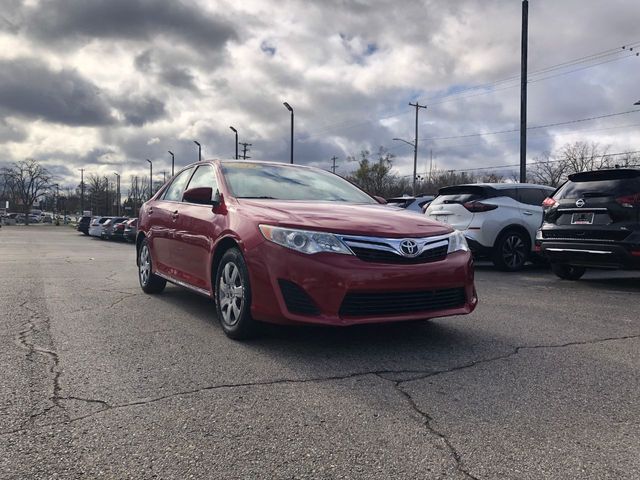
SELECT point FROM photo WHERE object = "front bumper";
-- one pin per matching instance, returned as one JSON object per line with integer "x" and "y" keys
{"x": 327, "y": 280}
{"x": 592, "y": 254}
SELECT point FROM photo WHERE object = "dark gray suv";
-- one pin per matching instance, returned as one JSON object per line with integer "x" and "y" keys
{"x": 593, "y": 221}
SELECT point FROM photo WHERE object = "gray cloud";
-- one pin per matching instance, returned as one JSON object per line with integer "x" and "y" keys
{"x": 138, "y": 110}
{"x": 30, "y": 89}
{"x": 71, "y": 20}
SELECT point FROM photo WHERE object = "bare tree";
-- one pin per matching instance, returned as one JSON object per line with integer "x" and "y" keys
{"x": 582, "y": 156}
{"x": 374, "y": 176}
{"x": 548, "y": 171}
{"x": 29, "y": 182}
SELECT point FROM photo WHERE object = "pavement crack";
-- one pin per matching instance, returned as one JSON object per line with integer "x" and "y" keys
{"x": 427, "y": 421}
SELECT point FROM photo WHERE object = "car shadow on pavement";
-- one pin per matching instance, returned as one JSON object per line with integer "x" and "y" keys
{"x": 442, "y": 339}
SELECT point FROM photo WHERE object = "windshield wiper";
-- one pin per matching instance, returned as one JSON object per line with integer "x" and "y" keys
{"x": 261, "y": 197}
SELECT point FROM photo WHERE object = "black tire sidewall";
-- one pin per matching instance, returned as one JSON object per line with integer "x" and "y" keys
{"x": 245, "y": 325}
{"x": 498, "y": 258}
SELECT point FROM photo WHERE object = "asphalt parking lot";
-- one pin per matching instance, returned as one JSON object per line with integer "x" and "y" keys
{"x": 102, "y": 381}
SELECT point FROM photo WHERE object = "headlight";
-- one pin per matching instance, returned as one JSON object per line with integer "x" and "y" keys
{"x": 457, "y": 242}
{"x": 304, "y": 241}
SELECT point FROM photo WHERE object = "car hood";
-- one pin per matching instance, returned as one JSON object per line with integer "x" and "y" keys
{"x": 377, "y": 220}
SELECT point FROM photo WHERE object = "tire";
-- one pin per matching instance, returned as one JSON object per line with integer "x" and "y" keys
{"x": 511, "y": 251}
{"x": 233, "y": 296}
{"x": 568, "y": 272}
{"x": 149, "y": 282}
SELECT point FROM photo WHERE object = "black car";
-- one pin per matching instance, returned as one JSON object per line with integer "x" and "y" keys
{"x": 593, "y": 221}
{"x": 83, "y": 225}
{"x": 131, "y": 230}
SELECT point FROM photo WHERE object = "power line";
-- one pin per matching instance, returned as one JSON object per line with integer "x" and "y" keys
{"x": 534, "y": 127}
{"x": 512, "y": 165}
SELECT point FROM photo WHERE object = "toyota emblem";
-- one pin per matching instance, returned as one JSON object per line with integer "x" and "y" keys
{"x": 580, "y": 203}
{"x": 409, "y": 248}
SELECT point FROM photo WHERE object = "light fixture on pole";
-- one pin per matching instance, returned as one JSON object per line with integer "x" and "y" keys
{"x": 236, "y": 132}
{"x": 117, "y": 192}
{"x": 173, "y": 158}
{"x": 291, "y": 110}
{"x": 637, "y": 103}
{"x": 150, "y": 178}
{"x": 199, "y": 150}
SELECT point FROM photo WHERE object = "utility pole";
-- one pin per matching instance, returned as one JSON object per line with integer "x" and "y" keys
{"x": 415, "y": 146}
{"x": 164, "y": 177}
{"x": 430, "y": 165}
{"x": 107, "y": 197}
{"x": 82, "y": 191}
{"x": 523, "y": 91}
{"x": 245, "y": 149}
{"x": 334, "y": 166}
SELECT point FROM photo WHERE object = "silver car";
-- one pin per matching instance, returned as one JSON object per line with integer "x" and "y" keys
{"x": 95, "y": 227}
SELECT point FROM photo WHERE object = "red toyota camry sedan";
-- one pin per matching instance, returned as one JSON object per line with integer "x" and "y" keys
{"x": 286, "y": 243}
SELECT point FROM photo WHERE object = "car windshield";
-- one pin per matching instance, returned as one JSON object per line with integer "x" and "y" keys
{"x": 288, "y": 182}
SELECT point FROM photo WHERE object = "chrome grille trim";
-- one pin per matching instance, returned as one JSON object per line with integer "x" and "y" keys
{"x": 393, "y": 244}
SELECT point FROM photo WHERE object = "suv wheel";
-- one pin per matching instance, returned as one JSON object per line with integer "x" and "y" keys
{"x": 149, "y": 282}
{"x": 233, "y": 296}
{"x": 568, "y": 272}
{"x": 511, "y": 251}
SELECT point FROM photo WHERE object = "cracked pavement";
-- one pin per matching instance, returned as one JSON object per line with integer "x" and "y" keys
{"x": 102, "y": 381}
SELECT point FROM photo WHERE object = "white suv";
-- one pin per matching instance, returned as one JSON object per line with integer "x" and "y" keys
{"x": 499, "y": 220}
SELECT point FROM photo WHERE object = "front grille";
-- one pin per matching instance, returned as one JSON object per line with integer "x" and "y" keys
{"x": 575, "y": 234}
{"x": 383, "y": 256}
{"x": 399, "y": 303}
{"x": 296, "y": 299}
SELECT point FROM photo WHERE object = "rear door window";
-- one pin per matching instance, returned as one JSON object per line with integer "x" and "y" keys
{"x": 532, "y": 196}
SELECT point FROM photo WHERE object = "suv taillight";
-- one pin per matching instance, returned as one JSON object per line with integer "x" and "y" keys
{"x": 476, "y": 207}
{"x": 549, "y": 202}
{"x": 629, "y": 201}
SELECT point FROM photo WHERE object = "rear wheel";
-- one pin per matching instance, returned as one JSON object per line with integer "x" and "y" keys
{"x": 568, "y": 272}
{"x": 233, "y": 296}
{"x": 150, "y": 282}
{"x": 511, "y": 251}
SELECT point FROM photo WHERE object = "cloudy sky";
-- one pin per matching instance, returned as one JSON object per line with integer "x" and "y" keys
{"x": 105, "y": 84}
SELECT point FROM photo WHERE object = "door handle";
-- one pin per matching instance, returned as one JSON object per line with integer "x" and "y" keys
{"x": 150, "y": 211}
{"x": 175, "y": 215}
{"x": 527, "y": 213}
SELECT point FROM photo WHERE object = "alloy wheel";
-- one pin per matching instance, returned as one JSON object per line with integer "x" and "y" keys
{"x": 144, "y": 267}
{"x": 514, "y": 251}
{"x": 231, "y": 294}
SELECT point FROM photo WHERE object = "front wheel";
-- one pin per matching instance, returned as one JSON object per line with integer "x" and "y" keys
{"x": 149, "y": 281}
{"x": 233, "y": 296}
{"x": 568, "y": 272}
{"x": 511, "y": 251}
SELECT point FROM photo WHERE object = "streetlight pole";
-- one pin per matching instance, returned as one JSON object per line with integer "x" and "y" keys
{"x": 173, "y": 158}
{"x": 150, "y": 178}
{"x": 117, "y": 191}
{"x": 199, "y": 150}
{"x": 291, "y": 110}
{"x": 637, "y": 103}
{"x": 236, "y": 132}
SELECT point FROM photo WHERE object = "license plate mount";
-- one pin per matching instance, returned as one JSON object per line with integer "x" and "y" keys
{"x": 582, "y": 218}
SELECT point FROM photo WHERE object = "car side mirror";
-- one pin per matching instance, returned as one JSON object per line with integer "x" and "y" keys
{"x": 379, "y": 199}
{"x": 201, "y": 196}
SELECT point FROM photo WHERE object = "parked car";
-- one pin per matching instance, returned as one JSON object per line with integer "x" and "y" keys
{"x": 114, "y": 229}
{"x": 287, "y": 243}
{"x": 131, "y": 230}
{"x": 10, "y": 219}
{"x": 499, "y": 220}
{"x": 412, "y": 204}
{"x": 593, "y": 221}
{"x": 83, "y": 225}
{"x": 95, "y": 227}
{"x": 108, "y": 228}
{"x": 47, "y": 218}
